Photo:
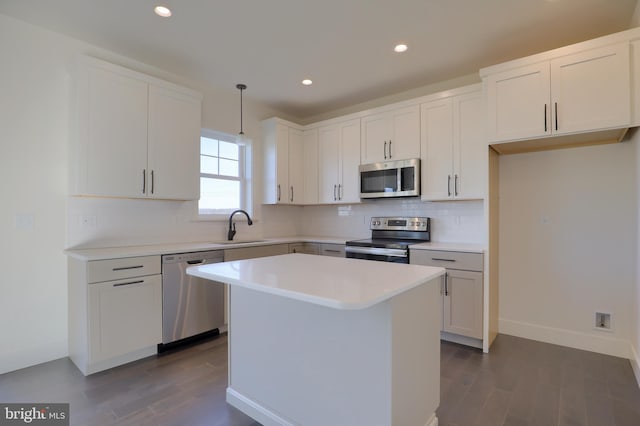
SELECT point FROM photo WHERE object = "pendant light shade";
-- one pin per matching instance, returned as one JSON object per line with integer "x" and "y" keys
{"x": 241, "y": 139}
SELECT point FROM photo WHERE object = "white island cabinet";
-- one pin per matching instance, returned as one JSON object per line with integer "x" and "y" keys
{"x": 318, "y": 340}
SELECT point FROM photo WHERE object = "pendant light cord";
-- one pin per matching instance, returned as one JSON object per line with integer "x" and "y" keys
{"x": 241, "y": 87}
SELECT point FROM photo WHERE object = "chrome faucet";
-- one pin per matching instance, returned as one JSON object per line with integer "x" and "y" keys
{"x": 232, "y": 225}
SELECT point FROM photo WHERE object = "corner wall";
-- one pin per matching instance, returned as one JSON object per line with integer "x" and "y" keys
{"x": 568, "y": 246}
{"x": 38, "y": 219}
{"x": 635, "y": 337}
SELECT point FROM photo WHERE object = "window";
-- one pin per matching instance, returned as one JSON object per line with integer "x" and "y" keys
{"x": 223, "y": 181}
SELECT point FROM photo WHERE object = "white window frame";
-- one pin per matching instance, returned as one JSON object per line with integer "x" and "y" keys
{"x": 244, "y": 172}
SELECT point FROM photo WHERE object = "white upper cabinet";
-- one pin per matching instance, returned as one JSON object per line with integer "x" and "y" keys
{"x": 454, "y": 151}
{"x": 136, "y": 136}
{"x": 339, "y": 157}
{"x": 518, "y": 103}
{"x": 174, "y": 125}
{"x": 310, "y": 166}
{"x": 572, "y": 93}
{"x": 591, "y": 90}
{"x": 391, "y": 135}
{"x": 283, "y": 151}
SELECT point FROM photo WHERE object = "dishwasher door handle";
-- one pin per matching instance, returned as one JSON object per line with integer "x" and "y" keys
{"x": 195, "y": 262}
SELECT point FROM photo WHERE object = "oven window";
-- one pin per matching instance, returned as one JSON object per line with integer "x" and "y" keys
{"x": 379, "y": 181}
{"x": 408, "y": 178}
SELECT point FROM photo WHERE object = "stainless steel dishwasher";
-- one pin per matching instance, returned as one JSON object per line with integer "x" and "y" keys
{"x": 192, "y": 307}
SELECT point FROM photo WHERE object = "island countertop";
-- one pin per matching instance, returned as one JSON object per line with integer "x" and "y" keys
{"x": 338, "y": 283}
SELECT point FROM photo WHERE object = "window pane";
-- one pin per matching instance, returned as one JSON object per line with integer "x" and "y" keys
{"x": 229, "y": 150}
{"x": 208, "y": 146}
{"x": 219, "y": 194}
{"x": 208, "y": 165}
{"x": 229, "y": 168}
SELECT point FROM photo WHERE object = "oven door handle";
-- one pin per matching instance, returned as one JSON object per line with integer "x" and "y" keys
{"x": 376, "y": 251}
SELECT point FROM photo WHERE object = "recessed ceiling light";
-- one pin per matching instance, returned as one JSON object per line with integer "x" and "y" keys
{"x": 400, "y": 48}
{"x": 307, "y": 82}
{"x": 163, "y": 11}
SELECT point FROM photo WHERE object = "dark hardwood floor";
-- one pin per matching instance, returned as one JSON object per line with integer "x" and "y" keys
{"x": 521, "y": 382}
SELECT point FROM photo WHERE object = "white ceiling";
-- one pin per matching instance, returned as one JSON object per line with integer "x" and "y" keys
{"x": 345, "y": 46}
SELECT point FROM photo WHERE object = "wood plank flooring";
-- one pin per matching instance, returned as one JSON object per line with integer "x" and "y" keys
{"x": 521, "y": 382}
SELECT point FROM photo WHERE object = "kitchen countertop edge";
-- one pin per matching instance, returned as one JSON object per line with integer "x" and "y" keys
{"x": 89, "y": 254}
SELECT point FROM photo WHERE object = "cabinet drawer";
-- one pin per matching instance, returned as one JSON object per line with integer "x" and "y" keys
{"x": 448, "y": 259}
{"x": 335, "y": 250}
{"x": 115, "y": 269}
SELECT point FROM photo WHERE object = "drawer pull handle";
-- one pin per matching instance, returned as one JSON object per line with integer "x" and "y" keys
{"x": 124, "y": 268}
{"x": 443, "y": 260}
{"x": 446, "y": 284}
{"x": 129, "y": 283}
{"x": 331, "y": 251}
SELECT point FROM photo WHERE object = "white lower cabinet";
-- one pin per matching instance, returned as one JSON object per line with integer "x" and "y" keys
{"x": 115, "y": 311}
{"x": 462, "y": 310}
{"x": 124, "y": 316}
{"x": 323, "y": 249}
{"x": 462, "y": 292}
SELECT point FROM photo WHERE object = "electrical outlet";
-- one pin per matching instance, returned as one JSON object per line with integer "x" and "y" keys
{"x": 603, "y": 321}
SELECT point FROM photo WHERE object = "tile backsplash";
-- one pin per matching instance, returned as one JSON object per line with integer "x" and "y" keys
{"x": 454, "y": 221}
{"x": 104, "y": 222}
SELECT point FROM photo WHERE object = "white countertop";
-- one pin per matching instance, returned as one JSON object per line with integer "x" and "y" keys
{"x": 461, "y": 247}
{"x": 338, "y": 283}
{"x": 160, "y": 249}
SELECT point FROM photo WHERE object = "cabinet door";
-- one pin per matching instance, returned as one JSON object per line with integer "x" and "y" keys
{"x": 282, "y": 164}
{"x": 518, "y": 103}
{"x": 377, "y": 130}
{"x": 295, "y": 190}
{"x": 470, "y": 149}
{"x": 437, "y": 149}
{"x": 391, "y": 135}
{"x": 124, "y": 316}
{"x": 635, "y": 82}
{"x": 463, "y": 301}
{"x": 349, "y": 182}
{"x": 112, "y": 145}
{"x": 405, "y": 142}
{"x": 310, "y": 166}
{"x": 174, "y": 145}
{"x": 591, "y": 90}
{"x": 329, "y": 150}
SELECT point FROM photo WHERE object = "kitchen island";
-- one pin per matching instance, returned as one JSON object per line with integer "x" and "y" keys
{"x": 317, "y": 340}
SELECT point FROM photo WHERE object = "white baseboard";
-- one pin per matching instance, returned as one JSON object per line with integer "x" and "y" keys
{"x": 254, "y": 410}
{"x": 433, "y": 421}
{"x": 463, "y": 340}
{"x": 635, "y": 364}
{"x": 573, "y": 339}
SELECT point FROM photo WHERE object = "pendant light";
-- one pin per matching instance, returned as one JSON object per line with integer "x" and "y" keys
{"x": 241, "y": 139}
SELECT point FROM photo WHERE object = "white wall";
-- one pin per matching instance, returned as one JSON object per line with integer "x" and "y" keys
{"x": 635, "y": 338}
{"x": 35, "y": 90}
{"x": 568, "y": 245}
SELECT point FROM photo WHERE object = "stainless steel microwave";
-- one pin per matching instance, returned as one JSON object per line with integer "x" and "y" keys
{"x": 399, "y": 178}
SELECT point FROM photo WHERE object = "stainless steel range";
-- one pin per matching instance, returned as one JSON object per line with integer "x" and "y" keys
{"x": 390, "y": 239}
